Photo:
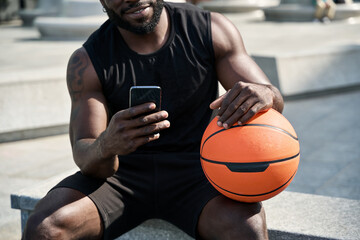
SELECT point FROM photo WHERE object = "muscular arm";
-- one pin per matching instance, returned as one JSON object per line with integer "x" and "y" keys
{"x": 88, "y": 118}
{"x": 249, "y": 90}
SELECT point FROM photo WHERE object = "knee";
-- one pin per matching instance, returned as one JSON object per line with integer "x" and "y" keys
{"x": 41, "y": 227}
{"x": 256, "y": 224}
{"x": 245, "y": 224}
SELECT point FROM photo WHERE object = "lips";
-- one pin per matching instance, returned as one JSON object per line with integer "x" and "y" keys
{"x": 136, "y": 10}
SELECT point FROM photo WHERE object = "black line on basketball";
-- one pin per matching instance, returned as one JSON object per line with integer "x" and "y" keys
{"x": 249, "y": 166}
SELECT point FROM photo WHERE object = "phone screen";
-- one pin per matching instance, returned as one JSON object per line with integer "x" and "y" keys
{"x": 145, "y": 94}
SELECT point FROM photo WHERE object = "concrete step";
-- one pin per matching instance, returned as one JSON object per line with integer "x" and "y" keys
{"x": 290, "y": 215}
{"x": 42, "y": 105}
{"x": 293, "y": 215}
{"x": 301, "y": 58}
{"x": 301, "y": 72}
{"x": 33, "y": 94}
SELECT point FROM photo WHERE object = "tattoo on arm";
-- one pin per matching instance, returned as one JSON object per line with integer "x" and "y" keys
{"x": 75, "y": 79}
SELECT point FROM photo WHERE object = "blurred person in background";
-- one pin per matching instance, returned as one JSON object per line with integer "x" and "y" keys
{"x": 324, "y": 10}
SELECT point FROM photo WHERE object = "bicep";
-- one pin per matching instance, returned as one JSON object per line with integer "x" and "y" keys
{"x": 233, "y": 64}
{"x": 88, "y": 110}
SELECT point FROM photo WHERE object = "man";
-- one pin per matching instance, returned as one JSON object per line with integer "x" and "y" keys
{"x": 135, "y": 165}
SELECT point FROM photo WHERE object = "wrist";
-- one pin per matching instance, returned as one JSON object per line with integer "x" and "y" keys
{"x": 278, "y": 101}
{"x": 103, "y": 152}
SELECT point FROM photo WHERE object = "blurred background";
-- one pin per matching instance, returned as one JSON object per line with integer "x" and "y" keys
{"x": 310, "y": 52}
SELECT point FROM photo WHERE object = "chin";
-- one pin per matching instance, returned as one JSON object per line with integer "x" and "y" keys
{"x": 142, "y": 25}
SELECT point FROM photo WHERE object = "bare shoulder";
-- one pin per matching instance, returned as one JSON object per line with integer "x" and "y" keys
{"x": 225, "y": 35}
{"x": 81, "y": 75}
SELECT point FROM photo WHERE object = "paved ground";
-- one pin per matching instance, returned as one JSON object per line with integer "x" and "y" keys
{"x": 329, "y": 131}
{"x": 328, "y": 125}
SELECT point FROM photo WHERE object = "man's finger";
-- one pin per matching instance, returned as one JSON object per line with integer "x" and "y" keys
{"x": 217, "y": 103}
{"x": 251, "y": 113}
{"x": 227, "y": 100}
{"x": 146, "y": 139}
{"x": 237, "y": 114}
{"x": 137, "y": 110}
{"x": 152, "y": 128}
{"x": 238, "y": 106}
{"x": 151, "y": 118}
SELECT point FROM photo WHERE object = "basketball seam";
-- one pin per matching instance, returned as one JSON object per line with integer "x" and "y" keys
{"x": 251, "y": 195}
{"x": 269, "y": 126}
{"x": 251, "y": 125}
{"x": 250, "y": 163}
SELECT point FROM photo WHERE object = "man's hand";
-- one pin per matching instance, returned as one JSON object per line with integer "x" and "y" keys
{"x": 250, "y": 90}
{"x": 242, "y": 102}
{"x": 127, "y": 130}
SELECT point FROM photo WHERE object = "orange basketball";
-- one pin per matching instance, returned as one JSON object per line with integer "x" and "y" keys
{"x": 251, "y": 162}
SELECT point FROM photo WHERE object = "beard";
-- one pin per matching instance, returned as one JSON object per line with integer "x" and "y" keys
{"x": 144, "y": 27}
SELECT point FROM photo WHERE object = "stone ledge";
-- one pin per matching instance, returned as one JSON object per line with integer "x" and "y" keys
{"x": 26, "y": 199}
{"x": 32, "y": 133}
{"x": 311, "y": 216}
{"x": 155, "y": 229}
{"x": 290, "y": 215}
{"x": 42, "y": 107}
{"x": 319, "y": 70}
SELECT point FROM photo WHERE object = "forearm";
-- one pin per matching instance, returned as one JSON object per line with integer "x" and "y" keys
{"x": 91, "y": 157}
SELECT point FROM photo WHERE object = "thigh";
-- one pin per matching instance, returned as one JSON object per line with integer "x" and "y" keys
{"x": 223, "y": 218}
{"x": 117, "y": 201}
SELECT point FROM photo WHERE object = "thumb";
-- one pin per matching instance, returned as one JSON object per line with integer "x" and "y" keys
{"x": 217, "y": 102}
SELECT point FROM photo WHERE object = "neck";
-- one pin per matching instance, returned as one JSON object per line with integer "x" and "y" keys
{"x": 151, "y": 42}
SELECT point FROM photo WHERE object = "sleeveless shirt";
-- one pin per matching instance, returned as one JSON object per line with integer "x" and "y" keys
{"x": 183, "y": 67}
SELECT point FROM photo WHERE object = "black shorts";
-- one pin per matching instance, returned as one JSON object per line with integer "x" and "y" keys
{"x": 171, "y": 187}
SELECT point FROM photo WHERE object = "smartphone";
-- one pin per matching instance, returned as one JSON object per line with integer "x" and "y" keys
{"x": 144, "y": 94}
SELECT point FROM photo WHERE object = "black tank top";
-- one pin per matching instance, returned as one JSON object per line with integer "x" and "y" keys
{"x": 183, "y": 68}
